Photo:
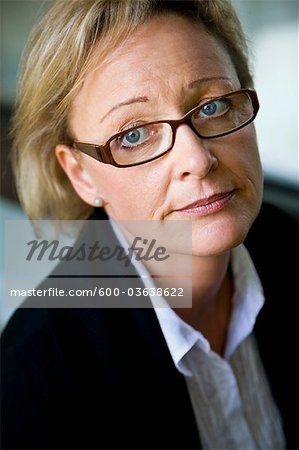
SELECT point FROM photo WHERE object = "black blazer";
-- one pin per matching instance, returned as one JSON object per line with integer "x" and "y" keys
{"x": 104, "y": 378}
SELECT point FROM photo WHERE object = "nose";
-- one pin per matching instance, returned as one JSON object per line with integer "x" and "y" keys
{"x": 193, "y": 155}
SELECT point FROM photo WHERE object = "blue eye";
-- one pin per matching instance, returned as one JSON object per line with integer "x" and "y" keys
{"x": 214, "y": 109}
{"x": 135, "y": 137}
{"x": 209, "y": 109}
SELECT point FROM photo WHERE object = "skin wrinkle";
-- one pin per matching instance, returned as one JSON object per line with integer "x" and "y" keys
{"x": 143, "y": 99}
{"x": 179, "y": 104}
{"x": 136, "y": 44}
{"x": 170, "y": 54}
{"x": 171, "y": 95}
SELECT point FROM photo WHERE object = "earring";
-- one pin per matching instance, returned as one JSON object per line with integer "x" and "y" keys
{"x": 98, "y": 202}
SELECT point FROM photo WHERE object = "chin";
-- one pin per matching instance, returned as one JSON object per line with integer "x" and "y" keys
{"x": 220, "y": 236}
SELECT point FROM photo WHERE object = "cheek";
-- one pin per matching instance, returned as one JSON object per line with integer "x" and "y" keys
{"x": 242, "y": 157}
{"x": 133, "y": 193}
{"x": 116, "y": 185}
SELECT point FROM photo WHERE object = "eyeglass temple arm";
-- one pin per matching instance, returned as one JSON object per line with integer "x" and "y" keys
{"x": 100, "y": 153}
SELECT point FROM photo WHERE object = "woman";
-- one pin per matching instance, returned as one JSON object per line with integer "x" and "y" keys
{"x": 144, "y": 111}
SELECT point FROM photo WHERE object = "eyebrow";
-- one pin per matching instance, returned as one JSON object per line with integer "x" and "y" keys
{"x": 144, "y": 99}
{"x": 125, "y": 103}
{"x": 206, "y": 80}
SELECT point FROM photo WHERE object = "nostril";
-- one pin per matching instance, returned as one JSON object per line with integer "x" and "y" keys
{"x": 193, "y": 156}
{"x": 200, "y": 169}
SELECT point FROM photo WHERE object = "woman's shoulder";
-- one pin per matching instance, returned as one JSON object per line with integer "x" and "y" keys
{"x": 272, "y": 222}
{"x": 274, "y": 237}
{"x": 26, "y": 324}
{"x": 273, "y": 246}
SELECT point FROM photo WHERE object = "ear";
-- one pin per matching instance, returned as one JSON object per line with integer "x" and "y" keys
{"x": 73, "y": 165}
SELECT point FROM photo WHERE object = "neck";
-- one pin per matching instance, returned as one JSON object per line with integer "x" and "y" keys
{"x": 211, "y": 299}
{"x": 211, "y": 290}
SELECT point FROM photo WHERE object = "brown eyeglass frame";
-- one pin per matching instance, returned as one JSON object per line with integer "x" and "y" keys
{"x": 102, "y": 152}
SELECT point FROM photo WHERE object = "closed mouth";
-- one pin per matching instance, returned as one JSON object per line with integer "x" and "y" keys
{"x": 208, "y": 205}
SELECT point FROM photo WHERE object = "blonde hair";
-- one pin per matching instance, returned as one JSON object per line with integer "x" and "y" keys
{"x": 57, "y": 58}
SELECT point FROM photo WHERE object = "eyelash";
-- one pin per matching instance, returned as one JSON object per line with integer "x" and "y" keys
{"x": 130, "y": 124}
{"x": 135, "y": 122}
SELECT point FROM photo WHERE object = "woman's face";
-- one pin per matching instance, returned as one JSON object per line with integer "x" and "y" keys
{"x": 165, "y": 69}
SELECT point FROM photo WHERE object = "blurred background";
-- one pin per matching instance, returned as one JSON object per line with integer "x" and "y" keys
{"x": 271, "y": 27}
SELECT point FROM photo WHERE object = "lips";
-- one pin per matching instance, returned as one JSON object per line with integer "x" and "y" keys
{"x": 209, "y": 204}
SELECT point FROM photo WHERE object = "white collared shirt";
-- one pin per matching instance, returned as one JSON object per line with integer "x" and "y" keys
{"x": 231, "y": 399}
{"x": 248, "y": 299}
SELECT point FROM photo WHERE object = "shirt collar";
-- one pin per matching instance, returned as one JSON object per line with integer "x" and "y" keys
{"x": 248, "y": 300}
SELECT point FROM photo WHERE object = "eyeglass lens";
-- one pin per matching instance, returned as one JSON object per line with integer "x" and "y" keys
{"x": 143, "y": 143}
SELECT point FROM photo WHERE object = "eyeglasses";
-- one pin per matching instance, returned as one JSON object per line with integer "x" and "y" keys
{"x": 146, "y": 142}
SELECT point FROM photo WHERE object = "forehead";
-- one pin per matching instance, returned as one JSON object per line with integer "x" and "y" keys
{"x": 163, "y": 43}
{"x": 160, "y": 61}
